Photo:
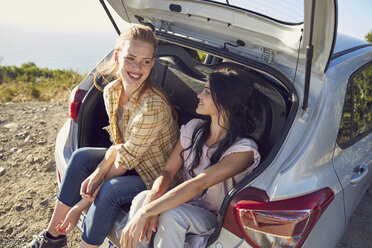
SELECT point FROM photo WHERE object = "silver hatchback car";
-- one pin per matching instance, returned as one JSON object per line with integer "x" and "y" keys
{"x": 314, "y": 97}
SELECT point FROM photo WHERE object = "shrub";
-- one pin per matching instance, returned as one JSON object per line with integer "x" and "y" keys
{"x": 29, "y": 82}
{"x": 8, "y": 95}
{"x": 35, "y": 93}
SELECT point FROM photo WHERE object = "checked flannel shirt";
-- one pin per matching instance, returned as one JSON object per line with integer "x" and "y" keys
{"x": 149, "y": 133}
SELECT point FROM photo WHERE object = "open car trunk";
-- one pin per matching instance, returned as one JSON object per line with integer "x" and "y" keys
{"x": 181, "y": 74}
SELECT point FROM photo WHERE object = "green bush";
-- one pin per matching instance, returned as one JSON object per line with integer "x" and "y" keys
{"x": 35, "y": 93}
{"x": 29, "y": 82}
{"x": 9, "y": 94}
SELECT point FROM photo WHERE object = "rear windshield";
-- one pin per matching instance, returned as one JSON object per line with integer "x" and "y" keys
{"x": 286, "y": 11}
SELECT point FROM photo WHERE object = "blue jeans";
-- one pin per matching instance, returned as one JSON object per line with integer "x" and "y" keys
{"x": 113, "y": 194}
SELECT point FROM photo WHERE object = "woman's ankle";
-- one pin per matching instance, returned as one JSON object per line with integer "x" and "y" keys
{"x": 54, "y": 236}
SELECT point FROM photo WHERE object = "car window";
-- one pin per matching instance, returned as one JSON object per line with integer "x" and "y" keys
{"x": 287, "y": 11}
{"x": 356, "y": 120}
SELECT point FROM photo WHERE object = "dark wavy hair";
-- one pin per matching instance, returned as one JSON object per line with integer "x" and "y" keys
{"x": 233, "y": 94}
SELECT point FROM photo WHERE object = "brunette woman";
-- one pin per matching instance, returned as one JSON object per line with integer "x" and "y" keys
{"x": 214, "y": 155}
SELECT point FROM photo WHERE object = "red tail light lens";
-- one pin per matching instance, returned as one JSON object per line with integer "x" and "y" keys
{"x": 77, "y": 97}
{"x": 285, "y": 223}
{"x": 59, "y": 176}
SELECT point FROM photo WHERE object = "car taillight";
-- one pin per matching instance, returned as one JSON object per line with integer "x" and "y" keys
{"x": 285, "y": 223}
{"x": 59, "y": 176}
{"x": 77, "y": 96}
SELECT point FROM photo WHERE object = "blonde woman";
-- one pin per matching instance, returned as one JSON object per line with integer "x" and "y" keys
{"x": 143, "y": 133}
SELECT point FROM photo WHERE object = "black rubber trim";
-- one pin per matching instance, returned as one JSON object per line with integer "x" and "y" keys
{"x": 175, "y": 8}
{"x": 355, "y": 139}
{"x": 110, "y": 16}
{"x": 350, "y": 50}
{"x": 334, "y": 37}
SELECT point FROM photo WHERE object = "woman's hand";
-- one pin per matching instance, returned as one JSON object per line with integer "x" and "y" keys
{"x": 151, "y": 222}
{"x": 90, "y": 185}
{"x": 70, "y": 220}
{"x": 133, "y": 231}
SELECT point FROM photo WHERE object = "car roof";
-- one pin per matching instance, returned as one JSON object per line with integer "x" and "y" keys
{"x": 345, "y": 42}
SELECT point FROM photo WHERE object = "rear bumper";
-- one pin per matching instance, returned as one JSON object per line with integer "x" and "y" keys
{"x": 63, "y": 150}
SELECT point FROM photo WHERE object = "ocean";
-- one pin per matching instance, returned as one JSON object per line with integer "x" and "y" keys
{"x": 78, "y": 50}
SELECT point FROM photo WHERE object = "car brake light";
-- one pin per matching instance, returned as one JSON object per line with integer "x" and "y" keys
{"x": 59, "y": 176}
{"x": 285, "y": 223}
{"x": 77, "y": 96}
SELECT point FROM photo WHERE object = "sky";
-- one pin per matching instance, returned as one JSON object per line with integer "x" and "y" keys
{"x": 355, "y": 17}
{"x": 75, "y": 18}
{"x": 58, "y": 34}
{"x": 55, "y": 14}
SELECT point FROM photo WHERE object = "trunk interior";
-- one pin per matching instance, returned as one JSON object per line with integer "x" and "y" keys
{"x": 181, "y": 74}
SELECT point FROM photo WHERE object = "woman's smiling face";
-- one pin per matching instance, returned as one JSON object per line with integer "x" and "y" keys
{"x": 206, "y": 104}
{"x": 135, "y": 61}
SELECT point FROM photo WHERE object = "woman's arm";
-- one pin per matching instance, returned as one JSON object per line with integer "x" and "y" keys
{"x": 92, "y": 183}
{"x": 161, "y": 185}
{"x": 172, "y": 166}
{"x": 72, "y": 217}
{"x": 229, "y": 166}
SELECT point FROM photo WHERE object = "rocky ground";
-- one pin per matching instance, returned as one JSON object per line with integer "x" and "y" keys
{"x": 28, "y": 181}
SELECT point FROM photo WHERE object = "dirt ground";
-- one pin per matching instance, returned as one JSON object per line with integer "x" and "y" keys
{"x": 28, "y": 181}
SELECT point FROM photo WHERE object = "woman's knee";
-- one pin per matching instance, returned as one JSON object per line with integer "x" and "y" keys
{"x": 114, "y": 190}
{"x": 86, "y": 159}
{"x": 138, "y": 202}
{"x": 117, "y": 192}
{"x": 140, "y": 198}
{"x": 172, "y": 219}
{"x": 79, "y": 168}
{"x": 171, "y": 229}
{"x": 108, "y": 191}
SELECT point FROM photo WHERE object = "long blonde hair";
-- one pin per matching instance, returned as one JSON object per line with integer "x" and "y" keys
{"x": 109, "y": 69}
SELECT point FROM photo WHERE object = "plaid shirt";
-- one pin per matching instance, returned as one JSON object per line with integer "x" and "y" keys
{"x": 149, "y": 132}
